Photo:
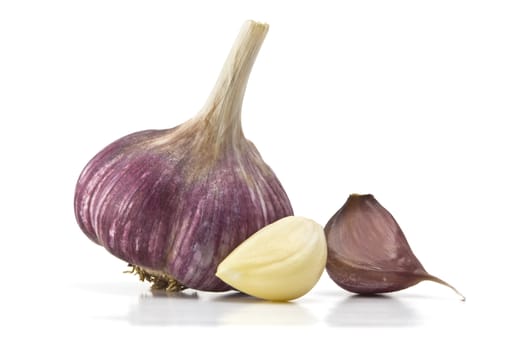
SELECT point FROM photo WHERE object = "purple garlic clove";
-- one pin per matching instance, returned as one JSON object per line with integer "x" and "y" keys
{"x": 368, "y": 252}
{"x": 174, "y": 203}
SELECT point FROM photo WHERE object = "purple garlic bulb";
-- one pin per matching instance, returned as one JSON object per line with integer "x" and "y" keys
{"x": 174, "y": 203}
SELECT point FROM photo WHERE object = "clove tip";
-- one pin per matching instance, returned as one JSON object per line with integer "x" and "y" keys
{"x": 442, "y": 282}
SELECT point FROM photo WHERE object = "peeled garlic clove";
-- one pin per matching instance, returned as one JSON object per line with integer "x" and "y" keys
{"x": 367, "y": 251}
{"x": 282, "y": 261}
{"x": 174, "y": 203}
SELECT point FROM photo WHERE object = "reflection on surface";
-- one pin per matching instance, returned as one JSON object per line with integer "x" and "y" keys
{"x": 201, "y": 309}
{"x": 259, "y": 312}
{"x": 113, "y": 288}
{"x": 138, "y": 305}
{"x": 373, "y": 311}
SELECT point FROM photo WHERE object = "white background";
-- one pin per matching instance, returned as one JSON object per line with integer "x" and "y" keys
{"x": 417, "y": 102}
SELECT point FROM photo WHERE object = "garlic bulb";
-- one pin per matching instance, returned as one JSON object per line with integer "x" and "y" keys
{"x": 174, "y": 203}
{"x": 281, "y": 262}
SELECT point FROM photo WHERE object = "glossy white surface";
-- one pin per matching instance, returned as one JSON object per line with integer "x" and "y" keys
{"x": 419, "y": 103}
{"x": 125, "y": 313}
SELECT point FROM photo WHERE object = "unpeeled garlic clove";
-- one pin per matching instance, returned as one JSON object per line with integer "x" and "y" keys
{"x": 280, "y": 262}
{"x": 368, "y": 252}
{"x": 174, "y": 203}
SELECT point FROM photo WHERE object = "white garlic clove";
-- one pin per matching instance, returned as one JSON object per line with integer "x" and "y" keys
{"x": 280, "y": 262}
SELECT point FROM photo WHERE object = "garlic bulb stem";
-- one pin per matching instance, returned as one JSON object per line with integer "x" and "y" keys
{"x": 222, "y": 111}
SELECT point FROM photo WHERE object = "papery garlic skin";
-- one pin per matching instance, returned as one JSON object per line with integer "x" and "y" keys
{"x": 176, "y": 202}
{"x": 368, "y": 252}
{"x": 283, "y": 261}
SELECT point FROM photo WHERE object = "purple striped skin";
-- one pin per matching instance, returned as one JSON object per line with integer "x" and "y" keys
{"x": 173, "y": 201}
